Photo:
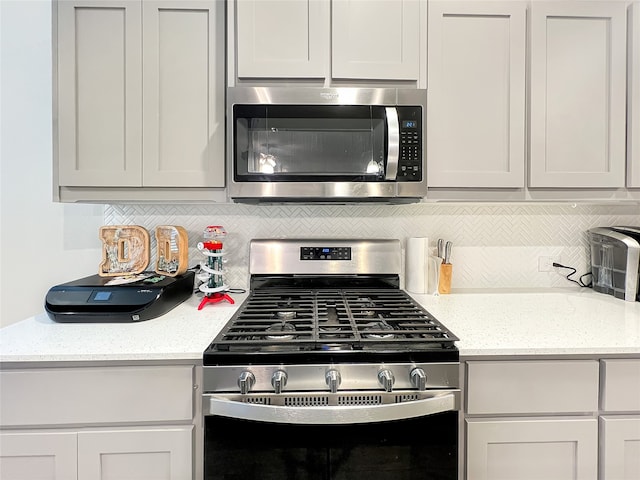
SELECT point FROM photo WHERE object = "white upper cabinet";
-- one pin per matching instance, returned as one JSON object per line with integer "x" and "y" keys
{"x": 578, "y": 83}
{"x": 99, "y": 101}
{"x": 140, "y": 93}
{"x": 326, "y": 39}
{"x": 282, "y": 38}
{"x": 375, "y": 39}
{"x": 476, "y": 94}
{"x": 183, "y": 94}
{"x": 633, "y": 101}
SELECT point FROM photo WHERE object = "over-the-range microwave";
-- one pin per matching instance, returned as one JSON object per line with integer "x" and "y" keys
{"x": 326, "y": 144}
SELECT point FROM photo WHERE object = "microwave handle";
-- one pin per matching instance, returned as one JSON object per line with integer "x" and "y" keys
{"x": 393, "y": 143}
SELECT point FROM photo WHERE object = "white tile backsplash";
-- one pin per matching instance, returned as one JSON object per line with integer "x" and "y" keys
{"x": 495, "y": 245}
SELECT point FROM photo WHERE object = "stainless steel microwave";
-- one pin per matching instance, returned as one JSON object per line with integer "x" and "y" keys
{"x": 326, "y": 144}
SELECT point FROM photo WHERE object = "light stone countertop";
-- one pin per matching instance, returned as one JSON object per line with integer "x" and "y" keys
{"x": 565, "y": 322}
{"x": 181, "y": 334}
{"x": 554, "y": 322}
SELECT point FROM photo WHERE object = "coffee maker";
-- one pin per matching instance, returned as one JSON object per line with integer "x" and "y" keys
{"x": 615, "y": 261}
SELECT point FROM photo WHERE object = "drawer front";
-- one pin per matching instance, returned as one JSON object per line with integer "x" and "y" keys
{"x": 621, "y": 389}
{"x": 66, "y": 396}
{"x": 521, "y": 387}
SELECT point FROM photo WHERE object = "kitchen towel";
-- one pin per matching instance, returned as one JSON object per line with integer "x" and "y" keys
{"x": 417, "y": 265}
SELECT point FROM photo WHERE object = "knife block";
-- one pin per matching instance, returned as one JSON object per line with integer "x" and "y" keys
{"x": 444, "y": 284}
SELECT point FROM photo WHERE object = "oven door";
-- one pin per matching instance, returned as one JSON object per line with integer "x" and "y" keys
{"x": 367, "y": 437}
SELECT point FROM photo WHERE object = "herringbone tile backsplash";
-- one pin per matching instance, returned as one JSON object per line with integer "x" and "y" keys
{"x": 495, "y": 246}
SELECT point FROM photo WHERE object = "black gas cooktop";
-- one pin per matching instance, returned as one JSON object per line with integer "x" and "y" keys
{"x": 342, "y": 324}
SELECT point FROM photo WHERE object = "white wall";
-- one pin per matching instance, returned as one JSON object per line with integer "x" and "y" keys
{"x": 42, "y": 243}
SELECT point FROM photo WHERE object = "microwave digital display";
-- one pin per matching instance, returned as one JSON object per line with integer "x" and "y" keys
{"x": 409, "y": 124}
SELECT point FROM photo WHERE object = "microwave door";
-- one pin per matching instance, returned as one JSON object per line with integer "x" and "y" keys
{"x": 393, "y": 143}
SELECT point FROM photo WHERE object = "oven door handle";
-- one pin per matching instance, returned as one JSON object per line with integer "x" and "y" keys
{"x": 331, "y": 415}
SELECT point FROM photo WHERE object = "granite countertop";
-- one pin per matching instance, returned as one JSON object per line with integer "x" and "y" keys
{"x": 559, "y": 322}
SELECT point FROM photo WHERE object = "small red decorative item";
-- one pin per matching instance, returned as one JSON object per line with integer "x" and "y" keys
{"x": 215, "y": 298}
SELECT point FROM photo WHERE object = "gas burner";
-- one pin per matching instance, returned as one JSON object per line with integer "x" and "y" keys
{"x": 286, "y": 315}
{"x": 281, "y": 331}
{"x": 381, "y": 325}
{"x": 366, "y": 302}
{"x": 369, "y": 313}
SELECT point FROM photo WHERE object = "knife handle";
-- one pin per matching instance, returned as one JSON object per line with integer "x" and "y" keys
{"x": 447, "y": 252}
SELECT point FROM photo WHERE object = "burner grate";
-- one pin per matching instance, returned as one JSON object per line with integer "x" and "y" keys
{"x": 330, "y": 319}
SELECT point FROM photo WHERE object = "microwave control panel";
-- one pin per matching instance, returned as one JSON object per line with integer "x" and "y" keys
{"x": 410, "y": 155}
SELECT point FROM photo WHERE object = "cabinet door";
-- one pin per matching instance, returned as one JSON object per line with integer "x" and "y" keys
{"x": 532, "y": 449}
{"x": 621, "y": 389}
{"x": 99, "y": 98}
{"x": 532, "y": 387}
{"x": 620, "y": 447}
{"x": 476, "y": 94}
{"x": 161, "y": 453}
{"x": 375, "y": 39}
{"x": 633, "y": 102}
{"x": 578, "y": 56}
{"x": 28, "y": 456}
{"x": 183, "y": 93}
{"x": 282, "y": 38}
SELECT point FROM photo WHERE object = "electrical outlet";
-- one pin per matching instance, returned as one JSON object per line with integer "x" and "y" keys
{"x": 545, "y": 263}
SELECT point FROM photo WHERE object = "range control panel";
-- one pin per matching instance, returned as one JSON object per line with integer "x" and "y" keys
{"x": 325, "y": 253}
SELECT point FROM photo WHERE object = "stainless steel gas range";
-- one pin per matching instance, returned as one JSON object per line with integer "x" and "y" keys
{"x": 329, "y": 368}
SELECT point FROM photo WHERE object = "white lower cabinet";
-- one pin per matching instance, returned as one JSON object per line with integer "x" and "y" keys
{"x": 620, "y": 452}
{"x": 620, "y": 420}
{"x": 163, "y": 453}
{"x": 118, "y": 454}
{"x": 27, "y": 456}
{"x": 552, "y": 419}
{"x": 532, "y": 449}
{"x": 97, "y": 423}
{"x": 532, "y": 419}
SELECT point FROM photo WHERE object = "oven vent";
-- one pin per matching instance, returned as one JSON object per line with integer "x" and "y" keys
{"x": 306, "y": 401}
{"x": 360, "y": 400}
{"x": 409, "y": 397}
{"x": 260, "y": 400}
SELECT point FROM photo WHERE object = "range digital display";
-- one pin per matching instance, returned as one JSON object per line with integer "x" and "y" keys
{"x": 325, "y": 253}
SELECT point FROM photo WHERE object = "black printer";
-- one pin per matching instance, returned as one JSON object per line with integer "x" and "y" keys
{"x": 118, "y": 299}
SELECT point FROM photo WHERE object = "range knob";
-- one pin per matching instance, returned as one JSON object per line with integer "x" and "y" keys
{"x": 386, "y": 379}
{"x": 279, "y": 380}
{"x": 418, "y": 378}
{"x": 246, "y": 381}
{"x": 333, "y": 379}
